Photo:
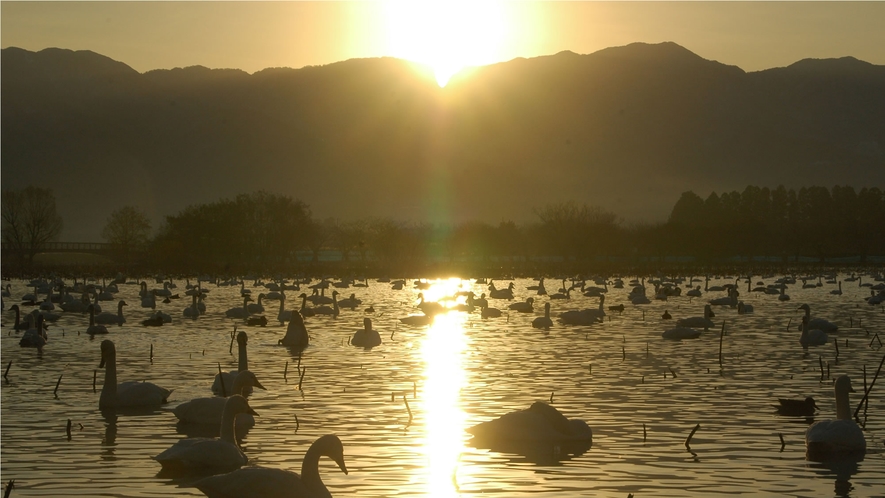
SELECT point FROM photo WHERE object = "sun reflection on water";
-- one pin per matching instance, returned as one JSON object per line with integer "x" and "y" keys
{"x": 442, "y": 352}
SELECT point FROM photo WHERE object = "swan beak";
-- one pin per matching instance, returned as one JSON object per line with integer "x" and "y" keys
{"x": 340, "y": 462}
{"x": 252, "y": 412}
{"x": 258, "y": 384}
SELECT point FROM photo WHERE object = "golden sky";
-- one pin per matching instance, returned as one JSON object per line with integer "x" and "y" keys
{"x": 446, "y": 35}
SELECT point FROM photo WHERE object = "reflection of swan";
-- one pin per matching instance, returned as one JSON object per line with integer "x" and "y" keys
{"x": 539, "y": 422}
{"x": 209, "y": 454}
{"x": 813, "y": 337}
{"x": 296, "y": 333}
{"x": 366, "y": 337}
{"x": 242, "y": 364}
{"x": 796, "y": 407}
{"x": 126, "y": 394}
{"x": 543, "y": 322}
{"x": 259, "y": 482}
{"x": 210, "y": 410}
{"x": 840, "y": 438}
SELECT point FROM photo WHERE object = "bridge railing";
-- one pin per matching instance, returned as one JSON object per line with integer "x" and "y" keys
{"x": 95, "y": 247}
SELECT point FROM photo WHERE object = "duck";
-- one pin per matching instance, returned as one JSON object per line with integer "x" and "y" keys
{"x": 228, "y": 378}
{"x": 543, "y": 322}
{"x": 93, "y": 328}
{"x": 526, "y": 306}
{"x": 743, "y": 309}
{"x": 296, "y": 333}
{"x": 261, "y": 482}
{"x": 200, "y": 454}
{"x": 210, "y": 411}
{"x": 112, "y": 318}
{"x": 838, "y": 439}
{"x": 539, "y": 422}
{"x": 812, "y": 337}
{"x": 699, "y": 321}
{"x": 679, "y": 333}
{"x": 366, "y": 337}
{"x": 241, "y": 312}
{"x": 796, "y": 407}
{"x": 125, "y": 394}
{"x": 818, "y": 323}
{"x": 666, "y": 315}
{"x": 619, "y": 308}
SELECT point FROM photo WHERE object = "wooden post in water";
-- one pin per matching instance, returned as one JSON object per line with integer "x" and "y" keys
{"x": 301, "y": 378}
{"x": 6, "y": 373}
{"x": 55, "y": 392}
{"x": 867, "y": 391}
{"x": 221, "y": 381}
{"x": 688, "y": 440}
{"x": 721, "y": 335}
{"x": 286, "y": 370}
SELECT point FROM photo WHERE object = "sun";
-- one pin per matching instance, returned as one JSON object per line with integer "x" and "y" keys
{"x": 447, "y": 36}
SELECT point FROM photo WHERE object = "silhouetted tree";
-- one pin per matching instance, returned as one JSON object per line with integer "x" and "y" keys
{"x": 30, "y": 220}
{"x": 128, "y": 227}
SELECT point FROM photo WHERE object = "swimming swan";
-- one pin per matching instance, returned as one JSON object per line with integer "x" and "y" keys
{"x": 814, "y": 337}
{"x": 539, "y": 422}
{"x": 260, "y": 482}
{"x": 126, "y": 394}
{"x": 703, "y": 322}
{"x": 211, "y": 410}
{"x": 200, "y": 454}
{"x": 796, "y": 407}
{"x": 836, "y": 439}
{"x": 818, "y": 323}
{"x": 93, "y": 328}
{"x": 679, "y": 333}
{"x": 296, "y": 333}
{"x": 242, "y": 364}
{"x": 366, "y": 337}
{"x": 543, "y": 322}
{"x": 112, "y": 318}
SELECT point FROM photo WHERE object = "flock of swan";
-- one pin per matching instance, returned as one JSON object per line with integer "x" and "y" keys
{"x": 229, "y": 408}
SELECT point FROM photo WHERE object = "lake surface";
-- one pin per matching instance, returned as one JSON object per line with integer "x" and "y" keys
{"x": 641, "y": 395}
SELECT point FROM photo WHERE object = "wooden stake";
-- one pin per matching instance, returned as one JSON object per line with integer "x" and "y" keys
{"x": 221, "y": 381}
{"x": 55, "y": 392}
{"x": 68, "y": 430}
{"x": 301, "y": 379}
{"x": 644, "y": 433}
{"x": 297, "y": 425}
{"x": 721, "y": 336}
{"x": 688, "y": 441}
{"x": 94, "y": 376}
{"x": 6, "y": 373}
{"x": 286, "y": 370}
{"x": 551, "y": 397}
{"x": 820, "y": 360}
{"x": 836, "y": 342}
{"x": 152, "y": 353}
{"x": 672, "y": 372}
{"x": 788, "y": 324}
{"x": 782, "y": 441}
{"x": 867, "y": 391}
{"x": 409, "y": 410}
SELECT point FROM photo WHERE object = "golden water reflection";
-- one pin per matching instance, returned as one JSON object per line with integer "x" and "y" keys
{"x": 442, "y": 351}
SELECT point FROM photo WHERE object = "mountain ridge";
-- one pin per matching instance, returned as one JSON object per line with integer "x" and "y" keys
{"x": 628, "y": 128}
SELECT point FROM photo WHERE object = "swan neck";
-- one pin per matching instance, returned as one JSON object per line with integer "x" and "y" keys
{"x": 228, "y": 417}
{"x": 843, "y": 406}
{"x": 310, "y": 472}
{"x": 108, "y": 396}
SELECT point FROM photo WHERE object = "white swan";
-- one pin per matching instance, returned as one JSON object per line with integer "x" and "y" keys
{"x": 260, "y": 482}
{"x": 703, "y": 322}
{"x": 366, "y": 337}
{"x": 112, "y": 318}
{"x": 228, "y": 378}
{"x": 126, "y": 394}
{"x": 836, "y": 439}
{"x": 812, "y": 337}
{"x": 305, "y": 311}
{"x": 201, "y": 454}
{"x": 818, "y": 323}
{"x": 539, "y": 422}
{"x": 240, "y": 311}
{"x": 93, "y": 328}
{"x": 543, "y": 322}
{"x": 211, "y": 410}
{"x": 296, "y": 333}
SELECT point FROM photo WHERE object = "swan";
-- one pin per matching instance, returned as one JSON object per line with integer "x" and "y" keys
{"x": 93, "y": 328}
{"x": 486, "y": 312}
{"x": 7, "y": 292}
{"x": 112, "y": 318}
{"x": 211, "y": 410}
{"x": 560, "y": 295}
{"x": 699, "y": 321}
{"x": 543, "y": 322}
{"x": 836, "y": 439}
{"x": 366, "y": 337}
{"x": 783, "y": 296}
{"x": 296, "y": 333}
{"x": 305, "y": 311}
{"x": 35, "y": 337}
{"x": 818, "y": 323}
{"x": 284, "y": 315}
{"x": 744, "y": 308}
{"x": 796, "y": 407}
{"x": 326, "y": 310}
{"x": 837, "y": 292}
{"x": 201, "y": 454}
{"x": 812, "y": 337}
{"x": 19, "y": 324}
{"x": 192, "y": 311}
{"x": 501, "y": 293}
{"x": 539, "y": 422}
{"x": 584, "y": 317}
{"x": 242, "y": 364}
{"x": 351, "y": 302}
{"x": 255, "y": 308}
{"x": 240, "y": 311}
{"x": 679, "y": 333}
{"x": 126, "y": 394}
{"x": 482, "y": 301}
{"x": 429, "y": 307}
{"x": 696, "y": 292}
{"x": 260, "y": 482}
{"x": 417, "y": 320}
{"x": 259, "y": 321}
{"x": 730, "y": 300}
{"x": 525, "y": 307}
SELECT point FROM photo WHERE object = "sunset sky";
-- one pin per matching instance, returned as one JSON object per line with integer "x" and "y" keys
{"x": 446, "y": 35}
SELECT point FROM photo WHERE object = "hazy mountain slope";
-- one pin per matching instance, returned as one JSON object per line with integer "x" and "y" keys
{"x": 629, "y": 128}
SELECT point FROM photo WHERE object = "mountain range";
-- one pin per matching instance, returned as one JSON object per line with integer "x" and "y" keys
{"x": 627, "y": 128}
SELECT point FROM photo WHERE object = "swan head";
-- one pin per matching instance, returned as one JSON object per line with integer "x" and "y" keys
{"x": 843, "y": 385}
{"x": 332, "y": 447}
{"x": 121, "y": 304}
{"x": 805, "y": 307}
{"x": 238, "y": 404}
{"x": 108, "y": 352}
{"x": 246, "y": 378}
{"x": 242, "y": 338}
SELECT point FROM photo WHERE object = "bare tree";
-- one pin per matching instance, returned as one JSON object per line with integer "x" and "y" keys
{"x": 30, "y": 220}
{"x": 128, "y": 227}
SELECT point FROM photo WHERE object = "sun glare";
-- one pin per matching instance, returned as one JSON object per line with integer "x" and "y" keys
{"x": 442, "y": 350}
{"x": 445, "y": 35}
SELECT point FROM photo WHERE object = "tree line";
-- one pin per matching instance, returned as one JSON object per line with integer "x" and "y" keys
{"x": 267, "y": 232}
